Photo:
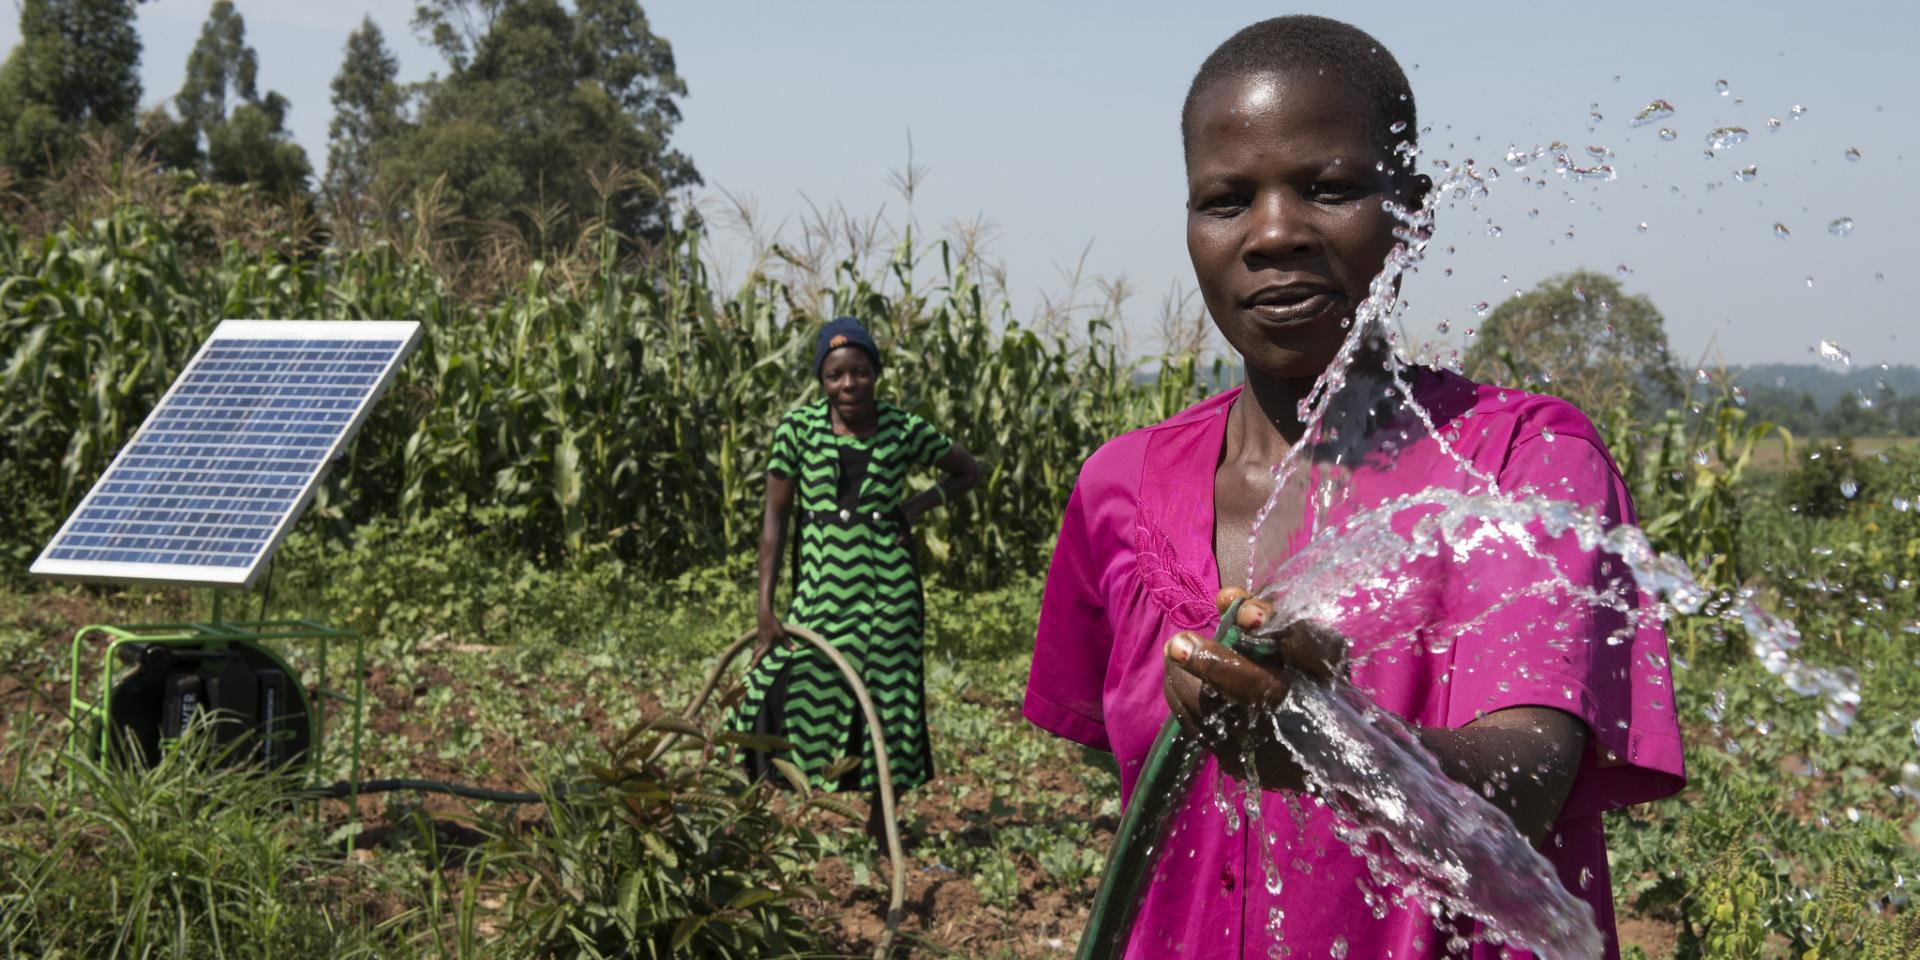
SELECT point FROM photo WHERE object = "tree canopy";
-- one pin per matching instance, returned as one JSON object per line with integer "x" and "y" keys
{"x": 548, "y": 118}
{"x": 75, "y": 70}
{"x": 1583, "y": 337}
{"x": 368, "y": 106}
{"x": 248, "y": 144}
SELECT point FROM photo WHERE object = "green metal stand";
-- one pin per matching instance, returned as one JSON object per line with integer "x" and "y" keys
{"x": 91, "y": 719}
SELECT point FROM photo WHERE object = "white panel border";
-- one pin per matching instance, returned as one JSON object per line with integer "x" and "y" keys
{"x": 100, "y": 571}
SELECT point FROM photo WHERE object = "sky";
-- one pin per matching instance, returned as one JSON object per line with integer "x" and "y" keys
{"x": 1057, "y": 123}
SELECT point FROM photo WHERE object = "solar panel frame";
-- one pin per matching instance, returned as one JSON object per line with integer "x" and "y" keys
{"x": 149, "y": 442}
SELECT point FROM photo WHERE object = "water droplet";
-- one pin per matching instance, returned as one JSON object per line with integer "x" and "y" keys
{"x": 1668, "y": 134}
{"x": 1834, "y": 353}
{"x": 1902, "y": 504}
{"x": 1809, "y": 280}
{"x": 1443, "y": 326}
{"x": 1797, "y": 112}
{"x": 1653, "y": 112}
{"x": 1586, "y": 877}
{"x": 1642, "y": 228}
{"x": 1747, "y": 173}
{"x": 1546, "y": 433}
{"x": 1780, "y": 230}
{"x": 1916, "y": 731}
{"x": 1701, "y": 458}
{"x": 1723, "y": 137}
{"x": 1480, "y": 309}
{"x": 1849, "y": 488}
{"x": 1773, "y": 123}
{"x": 1399, "y": 126}
{"x": 1841, "y": 226}
{"x": 1720, "y": 87}
{"x": 1339, "y": 949}
{"x": 1853, "y": 154}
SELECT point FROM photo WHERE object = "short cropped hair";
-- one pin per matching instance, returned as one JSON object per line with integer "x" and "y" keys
{"x": 1289, "y": 45}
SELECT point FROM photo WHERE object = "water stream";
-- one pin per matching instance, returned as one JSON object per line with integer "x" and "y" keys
{"x": 1427, "y": 838}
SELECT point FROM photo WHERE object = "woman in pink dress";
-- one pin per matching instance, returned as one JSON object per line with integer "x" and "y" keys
{"x": 1555, "y": 707}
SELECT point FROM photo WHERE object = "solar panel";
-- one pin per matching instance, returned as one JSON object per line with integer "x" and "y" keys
{"x": 217, "y": 474}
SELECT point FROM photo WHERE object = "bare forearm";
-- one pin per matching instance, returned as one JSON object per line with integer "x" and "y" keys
{"x": 772, "y": 539}
{"x": 1523, "y": 760}
{"x": 962, "y": 475}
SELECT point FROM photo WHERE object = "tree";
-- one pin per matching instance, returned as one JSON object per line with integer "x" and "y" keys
{"x": 250, "y": 144}
{"x": 76, "y": 70}
{"x": 1584, "y": 338}
{"x": 367, "y": 105}
{"x": 541, "y": 107}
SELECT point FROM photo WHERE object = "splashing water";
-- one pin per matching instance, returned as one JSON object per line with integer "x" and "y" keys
{"x": 1652, "y": 113}
{"x": 1419, "y": 830}
{"x": 1834, "y": 353}
{"x": 1724, "y": 137}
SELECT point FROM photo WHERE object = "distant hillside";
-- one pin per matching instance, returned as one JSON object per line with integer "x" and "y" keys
{"x": 1827, "y": 383}
{"x": 1821, "y": 400}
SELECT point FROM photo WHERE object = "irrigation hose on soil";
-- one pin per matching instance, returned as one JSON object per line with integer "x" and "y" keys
{"x": 882, "y": 771}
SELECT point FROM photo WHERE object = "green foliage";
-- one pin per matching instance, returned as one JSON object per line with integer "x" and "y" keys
{"x": 607, "y": 405}
{"x": 1583, "y": 337}
{"x": 547, "y": 119}
{"x": 1826, "y": 481}
{"x": 367, "y": 104}
{"x": 663, "y": 860}
{"x": 187, "y": 859}
{"x": 76, "y": 70}
{"x": 250, "y": 143}
{"x": 1687, "y": 474}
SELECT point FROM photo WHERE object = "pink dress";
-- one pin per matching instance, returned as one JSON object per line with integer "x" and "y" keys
{"x": 1134, "y": 564}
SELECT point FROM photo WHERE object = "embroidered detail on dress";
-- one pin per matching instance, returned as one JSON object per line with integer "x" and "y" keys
{"x": 1181, "y": 594}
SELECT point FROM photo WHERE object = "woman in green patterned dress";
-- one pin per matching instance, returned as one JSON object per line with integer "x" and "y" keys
{"x": 842, "y": 462}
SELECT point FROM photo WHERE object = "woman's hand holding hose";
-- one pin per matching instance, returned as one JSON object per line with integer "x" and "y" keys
{"x": 1220, "y": 696}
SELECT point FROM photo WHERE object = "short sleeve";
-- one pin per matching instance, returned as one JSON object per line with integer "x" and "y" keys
{"x": 1074, "y": 641}
{"x": 784, "y": 460}
{"x": 1557, "y": 625}
{"x": 925, "y": 443}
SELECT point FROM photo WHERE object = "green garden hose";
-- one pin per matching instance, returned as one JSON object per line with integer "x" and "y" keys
{"x": 1169, "y": 767}
{"x": 882, "y": 772}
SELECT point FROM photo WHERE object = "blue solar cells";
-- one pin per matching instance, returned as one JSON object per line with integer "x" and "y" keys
{"x": 220, "y": 467}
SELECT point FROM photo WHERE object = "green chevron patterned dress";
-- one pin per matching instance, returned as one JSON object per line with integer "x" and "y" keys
{"x": 856, "y": 586}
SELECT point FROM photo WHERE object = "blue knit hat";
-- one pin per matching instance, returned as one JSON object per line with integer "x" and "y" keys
{"x": 843, "y": 332}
